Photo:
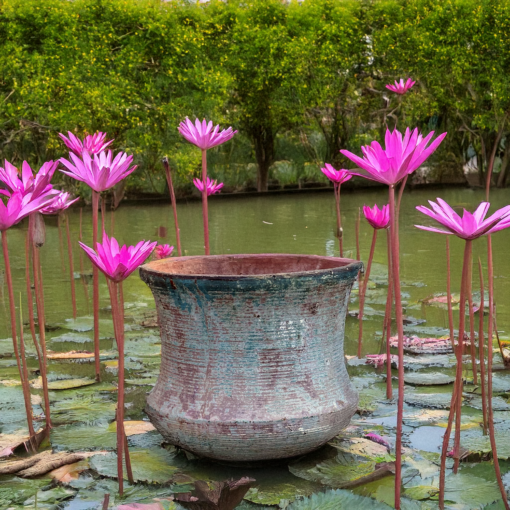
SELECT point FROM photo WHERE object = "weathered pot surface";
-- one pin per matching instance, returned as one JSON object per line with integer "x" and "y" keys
{"x": 252, "y": 361}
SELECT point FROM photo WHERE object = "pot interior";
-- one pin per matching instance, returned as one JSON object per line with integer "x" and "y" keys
{"x": 246, "y": 265}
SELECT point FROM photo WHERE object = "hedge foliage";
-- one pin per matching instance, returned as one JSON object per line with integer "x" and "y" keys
{"x": 298, "y": 80}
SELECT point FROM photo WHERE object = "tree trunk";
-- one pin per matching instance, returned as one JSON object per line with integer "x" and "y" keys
{"x": 505, "y": 163}
{"x": 263, "y": 140}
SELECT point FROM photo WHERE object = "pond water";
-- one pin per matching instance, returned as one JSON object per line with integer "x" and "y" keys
{"x": 297, "y": 223}
{"x": 304, "y": 223}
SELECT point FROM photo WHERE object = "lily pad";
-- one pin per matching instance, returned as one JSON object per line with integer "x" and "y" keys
{"x": 50, "y": 497}
{"x": 428, "y": 378}
{"x": 83, "y": 409}
{"x": 335, "y": 500}
{"x": 153, "y": 465}
{"x": 72, "y": 338}
{"x": 428, "y": 400}
{"x": 333, "y": 472}
{"x": 62, "y": 384}
{"x": 15, "y": 491}
{"x": 474, "y": 440}
{"x": 471, "y": 491}
{"x": 82, "y": 437}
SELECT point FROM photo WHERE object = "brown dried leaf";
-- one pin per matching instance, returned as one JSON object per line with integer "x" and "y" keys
{"x": 133, "y": 427}
{"x": 224, "y": 495}
{"x": 70, "y": 355}
{"x": 69, "y": 472}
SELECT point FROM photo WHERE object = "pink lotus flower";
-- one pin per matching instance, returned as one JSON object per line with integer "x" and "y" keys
{"x": 401, "y": 87}
{"x": 212, "y": 186}
{"x": 60, "y": 203}
{"x": 401, "y": 157}
{"x": 28, "y": 182}
{"x": 163, "y": 251}
{"x": 93, "y": 144}
{"x": 19, "y": 205}
{"x": 336, "y": 176}
{"x": 100, "y": 172}
{"x": 470, "y": 226}
{"x": 203, "y": 135}
{"x": 378, "y": 218}
{"x": 118, "y": 263}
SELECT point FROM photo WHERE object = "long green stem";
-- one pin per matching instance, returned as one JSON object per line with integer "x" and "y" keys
{"x": 363, "y": 291}
{"x": 471, "y": 322}
{"x": 205, "y": 212}
{"x": 41, "y": 320}
{"x": 464, "y": 292}
{"x": 95, "y": 276}
{"x": 387, "y": 320}
{"x": 10, "y": 290}
{"x": 456, "y": 400}
{"x": 395, "y": 261}
{"x": 449, "y": 293}
{"x": 339, "y": 232}
{"x": 489, "y": 375}
{"x": 481, "y": 350}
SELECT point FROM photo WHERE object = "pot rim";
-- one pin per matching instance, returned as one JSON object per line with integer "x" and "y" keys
{"x": 349, "y": 265}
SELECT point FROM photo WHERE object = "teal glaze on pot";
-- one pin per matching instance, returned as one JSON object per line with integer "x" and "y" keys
{"x": 252, "y": 361}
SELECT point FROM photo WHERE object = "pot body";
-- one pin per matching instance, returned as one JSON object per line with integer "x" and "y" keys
{"x": 252, "y": 361}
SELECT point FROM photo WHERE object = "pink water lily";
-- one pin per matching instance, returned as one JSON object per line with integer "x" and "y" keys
{"x": 19, "y": 205}
{"x": 402, "y": 156}
{"x": 163, "y": 251}
{"x": 336, "y": 176}
{"x": 60, "y": 203}
{"x": 93, "y": 144}
{"x": 27, "y": 181}
{"x": 101, "y": 171}
{"x": 212, "y": 186}
{"x": 378, "y": 218}
{"x": 118, "y": 263}
{"x": 470, "y": 225}
{"x": 203, "y": 135}
{"x": 401, "y": 87}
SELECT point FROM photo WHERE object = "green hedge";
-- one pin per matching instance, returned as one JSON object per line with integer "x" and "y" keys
{"x": 298, "y": 80}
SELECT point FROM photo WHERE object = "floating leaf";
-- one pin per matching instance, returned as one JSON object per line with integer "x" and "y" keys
{"x": 84, "y": 409}
{"x": 474, "y": 440}
{"x": 50, "y": 497}
{"x": 62, "y": 384}
{"x": 336, "y": 500}
{"x": 429, "y": 400}
{"x": 153, "y": 465}
{"x": 333, "y": 472}
{"x": 471, "y": 491}
{"x": 15, "y": 491}
{"x": 428, "y": 379}
{"x": 81, "y": 437}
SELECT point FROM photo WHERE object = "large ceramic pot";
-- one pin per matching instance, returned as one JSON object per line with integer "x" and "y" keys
{"x": 252, "y": 360}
